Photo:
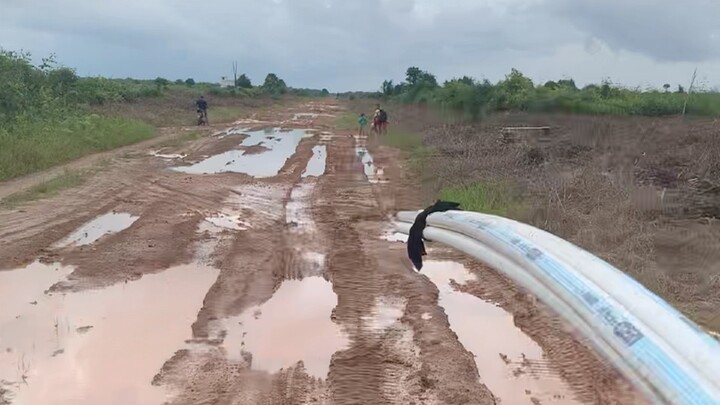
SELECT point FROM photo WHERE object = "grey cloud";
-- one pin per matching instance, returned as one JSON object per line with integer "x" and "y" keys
{"x": 666, "y": 30}
{"x": 343, "y": 44}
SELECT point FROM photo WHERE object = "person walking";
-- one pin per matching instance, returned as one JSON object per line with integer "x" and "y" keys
{"x": 362, "y": 122}
{"x": 382, "y": 115}
{"x": 376, "y": 119}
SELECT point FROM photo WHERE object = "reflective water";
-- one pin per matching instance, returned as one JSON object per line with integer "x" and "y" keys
{"x": 316, "y": 164}
{"x": 98, "y": 346}
{"x": 297, "y": 214}
{"x": 499, "y": 347}
{"x": 281, "y": 146}
{"x": 291, "y": 326}
{"x": 97, "y": 228}
{"x": 372, "y": 173}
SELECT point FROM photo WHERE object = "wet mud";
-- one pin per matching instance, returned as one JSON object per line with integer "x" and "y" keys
{"x": 257, "y": 265}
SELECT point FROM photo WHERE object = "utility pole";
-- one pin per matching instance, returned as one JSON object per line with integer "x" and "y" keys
{"x": 234, "y": 64}
{"x": 692, "y": 83}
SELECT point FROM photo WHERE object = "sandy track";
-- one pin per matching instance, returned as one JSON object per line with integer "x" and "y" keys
{"x": 302, "y": 300}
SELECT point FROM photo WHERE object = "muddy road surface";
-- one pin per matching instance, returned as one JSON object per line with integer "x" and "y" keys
{"x": 256, "y": 265}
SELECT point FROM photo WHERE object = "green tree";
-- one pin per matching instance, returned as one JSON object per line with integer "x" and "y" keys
{"x": 388, "y": 88}
{"x": 190, "y": 82}
{"x": 325, "y": 92}
{"x": 412, "y": 75}
{"x": 161, "y": 83}
{"x": 62, "y": 80}
{"x": 179, "y": 81}
{"x": 467, "y": 80}
{"x": 568, "y": 84}
{"x": 274, "y": 85}
{"x": 243, "y": 82}
{"x": 515, "y": 91}
{"x": 666, "y": 86}
{"x": 551, "y": 85}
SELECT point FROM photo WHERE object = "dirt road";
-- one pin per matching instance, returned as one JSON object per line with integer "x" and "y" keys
{"x": 256, "y": 265}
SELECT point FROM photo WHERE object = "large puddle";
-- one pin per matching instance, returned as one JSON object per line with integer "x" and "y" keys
{"x": 316, "y": 164}
{"x": 503, "y": 353}
{"x": 278, "y": 146}
{"x": 291, "y": 326}
{"x": 98, "y": 346}
{"x": 97, "y": 228}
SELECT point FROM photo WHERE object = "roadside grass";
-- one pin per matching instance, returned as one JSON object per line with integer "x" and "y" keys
{"x": 37, "y": 145}
{"x": 181, "y": 139}
{"x": 347, "y": 121}
{"x": 403, "y": 140}
{"x": 487, "y": 198}
{"x": 45, "y": 189}
{"x": 225, "y": 114}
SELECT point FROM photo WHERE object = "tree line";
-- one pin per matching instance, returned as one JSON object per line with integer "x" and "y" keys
{"x": 516, "y": 91}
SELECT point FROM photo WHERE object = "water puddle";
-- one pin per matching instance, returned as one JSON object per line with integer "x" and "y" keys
{"x": 297, "y": 215}
{"x": 280, "y": 145}
{"x": 504, "y": 355}
{"x": 316, "y": 164}
{"x": 277, "y": 337}
{"x": 97, "y": 346}
{"x": 386, "y": 313}
{"x": 374, "y": 174}
{"x": 97, "y": 228}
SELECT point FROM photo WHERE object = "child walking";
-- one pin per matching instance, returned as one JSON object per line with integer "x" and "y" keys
{"x": 362, "y": 121}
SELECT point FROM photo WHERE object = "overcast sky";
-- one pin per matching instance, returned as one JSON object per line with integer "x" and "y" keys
{"x": 355, "y": 44}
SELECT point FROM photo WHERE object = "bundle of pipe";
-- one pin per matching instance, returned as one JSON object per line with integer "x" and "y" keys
{"x": 663, "y": 353}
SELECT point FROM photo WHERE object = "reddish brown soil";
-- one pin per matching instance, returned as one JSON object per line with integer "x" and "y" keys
{"x": 418, "y": 361}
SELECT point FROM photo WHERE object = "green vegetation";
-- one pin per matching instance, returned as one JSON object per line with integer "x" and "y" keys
{"x": 43, "y": 121}
{"x": 225, "y": 114}
{"x": 471, "y": 98}
{"x": 40, "y": 144}
{"x": 274, "y": 85}
{"x": 489, "y": 198}
{"x": 46, "y": 110}
{"x": 243, "y": 82}
{"x": 181, "y": 139}
{"x": 347, "y": 121}
{"x": 403, "y": 140}
{"x": 46, "y": 189}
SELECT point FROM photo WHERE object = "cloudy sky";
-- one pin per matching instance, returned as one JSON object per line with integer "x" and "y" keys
{"x": 355, "y": 44}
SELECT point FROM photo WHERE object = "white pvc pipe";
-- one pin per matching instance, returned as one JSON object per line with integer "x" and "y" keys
{"x": 617, "y": 311}
{"x": 521, "y": 277}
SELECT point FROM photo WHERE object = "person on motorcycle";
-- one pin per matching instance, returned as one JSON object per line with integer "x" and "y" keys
{"x": 202, "y": 107}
